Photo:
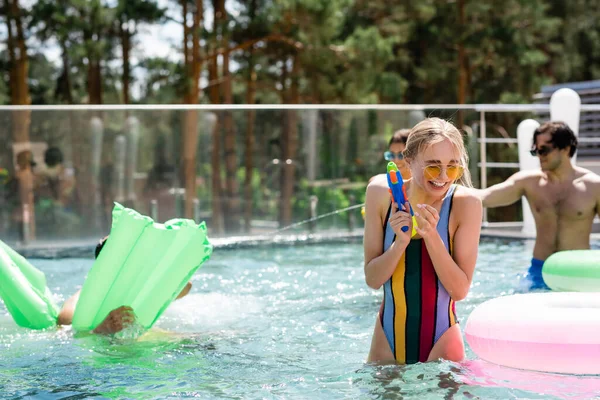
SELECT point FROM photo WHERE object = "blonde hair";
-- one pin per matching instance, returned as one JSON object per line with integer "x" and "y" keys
{"x": 435, "y": 130}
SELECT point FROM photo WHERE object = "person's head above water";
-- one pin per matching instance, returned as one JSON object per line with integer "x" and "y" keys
{"x": 100, "y": 246}
{"x": 436, "y": 156}
{"x": 396, "y": 147}
{"x": 399, "y": 137}
{"x": 554, "y": 143}
{"x": 53, "y": 157}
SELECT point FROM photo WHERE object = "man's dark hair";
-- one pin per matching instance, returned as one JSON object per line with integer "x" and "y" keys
{"x": 562, "y": 135}
{"x": 100, "y": 246}
{"x": 400, "y": 136}
{"x": 53, "y": 156}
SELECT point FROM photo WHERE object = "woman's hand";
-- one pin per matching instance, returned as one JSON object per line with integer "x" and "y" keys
{"x": 399, "y": 219}
{"x": 427, "y": 220}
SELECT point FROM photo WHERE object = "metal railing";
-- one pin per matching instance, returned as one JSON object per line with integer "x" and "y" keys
{"x": 483, "y": 163}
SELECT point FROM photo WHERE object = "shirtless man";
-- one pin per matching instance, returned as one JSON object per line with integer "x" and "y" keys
{"x": 564, "y": 199}
{"x": 117, "y": 320}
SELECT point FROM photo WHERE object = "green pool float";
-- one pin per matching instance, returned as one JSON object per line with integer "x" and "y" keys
{"x": 573, "y": 271}
{"x": 143, "y": 265}
{"x": 24, "y": 292}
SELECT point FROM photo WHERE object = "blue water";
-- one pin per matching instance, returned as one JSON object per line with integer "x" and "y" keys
{"x": 266, "y": 323}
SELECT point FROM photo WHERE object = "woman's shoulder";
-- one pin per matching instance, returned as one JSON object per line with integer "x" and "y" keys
{"x": 378, "y": 183}
{"x": 465, "y": 198}
{"x": 378, "y": 193}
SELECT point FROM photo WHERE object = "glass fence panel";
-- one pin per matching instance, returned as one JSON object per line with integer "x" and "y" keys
{"x": 243, "y": 172}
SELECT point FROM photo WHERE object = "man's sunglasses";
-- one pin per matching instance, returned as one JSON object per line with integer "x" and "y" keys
{"x": 390, "y": 155}
{"x": 542, "y": 151}
{"x": 453, "y": 172}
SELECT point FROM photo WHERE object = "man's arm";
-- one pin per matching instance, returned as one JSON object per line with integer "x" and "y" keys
{"x": 598, "y": 200}
{"x": 505, "y": 193}
{"x": 65, "y": 317}
{"x": 117, "y": 320}
{"x": 114, "y": 322}
{"x": 185, "y": 290}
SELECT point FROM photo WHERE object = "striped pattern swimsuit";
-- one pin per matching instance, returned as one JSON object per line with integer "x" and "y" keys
{"x": 416, "y": 308}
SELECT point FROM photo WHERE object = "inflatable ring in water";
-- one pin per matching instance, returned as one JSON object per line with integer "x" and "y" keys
{"x": 550, "y": 332}
{"x": 24, "y": 292}
{"x": 143, "y": 265}
{"x": 573, "y": 271}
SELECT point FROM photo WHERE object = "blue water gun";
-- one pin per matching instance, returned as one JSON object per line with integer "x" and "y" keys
{"x": 398, "y": 191}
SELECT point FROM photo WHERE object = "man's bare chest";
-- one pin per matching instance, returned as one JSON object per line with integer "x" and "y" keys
{"x": 567, "y": 200}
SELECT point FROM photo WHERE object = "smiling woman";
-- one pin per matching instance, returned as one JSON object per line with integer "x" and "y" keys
{"x": 424, "y": 275}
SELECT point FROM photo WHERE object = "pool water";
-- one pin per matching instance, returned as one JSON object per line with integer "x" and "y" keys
{"x": 267, "y": 323}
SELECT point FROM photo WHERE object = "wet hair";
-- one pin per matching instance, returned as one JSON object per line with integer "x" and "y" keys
{"x": 435, "y": 130}
{"x": 400, "y": 136}
{"x": 100, "y": 246}
{"x": 53, "y": 156}
{"x": 562, "y": 136}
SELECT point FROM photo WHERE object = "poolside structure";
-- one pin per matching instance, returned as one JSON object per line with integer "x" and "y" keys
{"x": 588, "y": 151}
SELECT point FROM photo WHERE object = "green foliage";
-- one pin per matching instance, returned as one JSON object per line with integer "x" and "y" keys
{"x": 41, "y": 79}
{"x": 164, "y": 81}
{"x": 330, "y": 199}
{"x": 350, "y": 51}
{"x": 337, "y": 51}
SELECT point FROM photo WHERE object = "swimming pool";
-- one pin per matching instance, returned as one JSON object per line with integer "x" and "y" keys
{"x": 268, "y": 323}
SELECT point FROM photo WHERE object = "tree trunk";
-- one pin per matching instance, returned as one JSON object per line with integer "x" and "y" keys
{"x": 19, "y": 92}
{"x": 289, "y": 148}
{"x": 19, "y": 69}
{"x": 64, "y": 90}
{"x": 126, "y": 47}
{"x": 232, "y": 222}
{"x": 93, "y": 33}
{"x": 190, "y": 125}
{"x": 249, "y": 150}
{"x": 232, "y": 216}
{"x": 190, "y": 150}
{"x": 94, "y": 79}
{"x": 97, "y": 187}
{"x": 462, "y": 62}
{"x": 250, "y": 139}
{"x": 217, "y": 186}
{"x": 215, "y": 98}
{"x": 328, "y": 144}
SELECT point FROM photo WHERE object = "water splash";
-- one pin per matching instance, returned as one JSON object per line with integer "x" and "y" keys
{"x": 341, "y": 210}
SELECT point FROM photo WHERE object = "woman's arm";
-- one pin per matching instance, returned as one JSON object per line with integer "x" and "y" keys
{"x": 455, "y": 271}
{"x": 380, "y": 266}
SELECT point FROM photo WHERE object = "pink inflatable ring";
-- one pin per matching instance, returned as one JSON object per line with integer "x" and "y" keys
{"x": 551, "y": 332}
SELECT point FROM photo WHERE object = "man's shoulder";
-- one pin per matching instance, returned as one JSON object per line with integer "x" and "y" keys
{"x": 527, "y": 177}
{"x": 589, "y": 177}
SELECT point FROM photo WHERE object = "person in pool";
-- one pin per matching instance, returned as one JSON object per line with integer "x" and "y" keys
{"x": 423, "y": 276}
{"x": 564, "y": 198}
{"x": 394, "y": 153}
{"x": 117, "y": 320}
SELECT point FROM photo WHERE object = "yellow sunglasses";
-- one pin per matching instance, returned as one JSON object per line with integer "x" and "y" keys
{"x": 433, "y": 171}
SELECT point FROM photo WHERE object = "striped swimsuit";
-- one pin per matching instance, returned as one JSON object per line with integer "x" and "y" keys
{"x": 416, "y": 308}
